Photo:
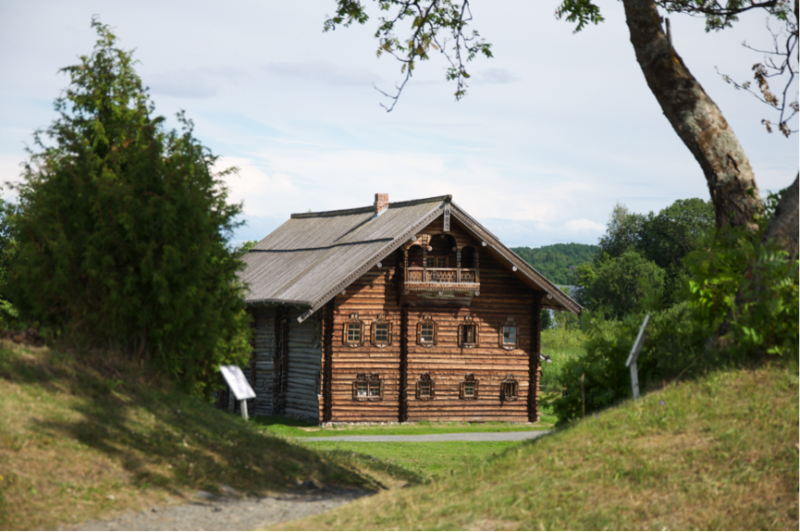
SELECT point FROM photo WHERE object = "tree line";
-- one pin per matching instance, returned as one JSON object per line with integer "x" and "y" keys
{"x": 558, "y": 262}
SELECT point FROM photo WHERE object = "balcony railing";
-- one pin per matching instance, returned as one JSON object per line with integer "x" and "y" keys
{"x": 417, "y": 278}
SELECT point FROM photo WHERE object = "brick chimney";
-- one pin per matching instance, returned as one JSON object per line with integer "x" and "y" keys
{"x": 381, "y": 202}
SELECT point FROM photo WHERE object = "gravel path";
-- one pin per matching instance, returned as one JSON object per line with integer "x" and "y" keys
{"x": 457, "y": 436}
{"x": 228, "y": 514}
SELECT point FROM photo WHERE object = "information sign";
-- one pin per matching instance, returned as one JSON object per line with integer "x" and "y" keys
{"x": 238, "y": 383}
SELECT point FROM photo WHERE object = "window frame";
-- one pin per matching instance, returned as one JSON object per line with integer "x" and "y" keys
{"x": 502, "y": 337}
{"x": 469, "y": 378}
{"x": 369, "y": 381}
{"x": 425, "y": 378}
{"x": 427, "y": 319}
{"x": 381, "y": 320}
{"x": 353, "y": 321}
{"x": 509, "y": 388}
{"x": 468, "y": 322}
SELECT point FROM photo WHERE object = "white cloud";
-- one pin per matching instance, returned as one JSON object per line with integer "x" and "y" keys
{"x": 496, "y": 75}
{"x": 555, "y": 129}
{"x": 323, "y": 73}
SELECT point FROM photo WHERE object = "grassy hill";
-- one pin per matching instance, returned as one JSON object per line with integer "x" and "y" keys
{"x": 715, "y": 453}
{"x": 557, "y": 262}
{"x": 84, "y": 435}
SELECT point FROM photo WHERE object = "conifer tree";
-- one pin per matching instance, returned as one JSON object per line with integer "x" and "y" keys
{"x": 121, "y": 228}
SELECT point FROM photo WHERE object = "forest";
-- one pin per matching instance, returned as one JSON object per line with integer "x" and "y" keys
{"x": 558, "y": 261}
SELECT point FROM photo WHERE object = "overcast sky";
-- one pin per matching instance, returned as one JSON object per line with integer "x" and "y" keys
{"x": 556, "y": 128}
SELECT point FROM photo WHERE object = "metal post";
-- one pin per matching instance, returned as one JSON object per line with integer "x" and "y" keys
{"x": 635, "y": 380}
{"x": 634, "y": 356}
{"x": 243, "y": 404}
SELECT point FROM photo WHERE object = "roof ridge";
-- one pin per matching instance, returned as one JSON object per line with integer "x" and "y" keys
{"x": 371, "y": 208}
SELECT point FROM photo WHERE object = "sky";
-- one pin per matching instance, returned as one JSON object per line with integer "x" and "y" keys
{"x": 554, "y": 130}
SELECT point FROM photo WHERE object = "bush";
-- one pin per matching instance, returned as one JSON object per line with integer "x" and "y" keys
{"x": 763, "y": 321}
{"x": 673, "y": 346}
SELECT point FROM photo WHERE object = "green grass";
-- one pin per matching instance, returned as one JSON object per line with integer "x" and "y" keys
{"x": 82, "y": 436}
{"x": 425, "y": 461}
{"x": 719, "y": 452}
{"x": 291, "y": 428}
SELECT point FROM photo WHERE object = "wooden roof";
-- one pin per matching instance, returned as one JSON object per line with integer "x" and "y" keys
{"x": 314, "y": 256}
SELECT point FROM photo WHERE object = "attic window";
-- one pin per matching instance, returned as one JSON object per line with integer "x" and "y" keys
{"x": 353, "y": 332}
{"x": 509, "y": 339}
{"x": 426, "y": 331}
{"x": 468, "y": 333}
{"x": 469, "y": 387}
{"x": 425, "y": 388}
{"x": 368, "y": 387}
{"x": 381, "y": 331}
{"x": 509, "y": 388}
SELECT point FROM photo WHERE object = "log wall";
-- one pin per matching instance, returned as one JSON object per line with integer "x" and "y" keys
{"x": 304, "y": 366}
{"x": 501, "y": 295}
{"x": 374, "y": 293}
{"x": 261, "y": 377}
{"x": 401, "y": 365}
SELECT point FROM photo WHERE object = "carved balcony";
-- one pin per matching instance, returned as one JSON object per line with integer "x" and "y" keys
{"x": 441, "y": 280}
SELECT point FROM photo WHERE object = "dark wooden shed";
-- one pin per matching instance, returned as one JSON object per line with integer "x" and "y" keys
{"x": 395, "y": 312}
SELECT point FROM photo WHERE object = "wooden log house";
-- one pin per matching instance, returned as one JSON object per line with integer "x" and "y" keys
{"x": 396, "y": 312}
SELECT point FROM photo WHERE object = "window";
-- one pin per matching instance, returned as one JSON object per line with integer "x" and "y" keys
{"x": 425, "y": 387}
{"x": 368, "y": 387}
{"x": 468, "y": 333}
{"x": 509, "y": 336}
{"x": 469, "y": 387}
{"x": 436, "y": 262}
{"x": 426, "y": 331}
{"x": 509, "y": 388}
{"x": 353, "y": 333}
{"x": 381, "y": 331}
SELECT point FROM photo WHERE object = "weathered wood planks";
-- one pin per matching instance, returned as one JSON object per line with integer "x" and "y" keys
{"x": 309, "y": 370}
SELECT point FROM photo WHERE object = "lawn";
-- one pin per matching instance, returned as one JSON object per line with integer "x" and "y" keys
{"x": 291, "y": 428}
{"x": 719, "y": 452}
{"x": 425, "y": 461}
{"x": 85, "y": 435}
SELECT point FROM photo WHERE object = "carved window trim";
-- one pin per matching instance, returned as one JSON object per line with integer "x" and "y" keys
{"x": 469, "y": 380}
{"x": 509, "y": 388}
{"x": 427, "y": 320}
{"x": 425, "y": 382}
{"x": 463, "y": 333}
{"x": 381, "y": 320}
{"x": 351, "y": 325}
{"x": 514, "y": 330}
{"x": 367, "y": 387}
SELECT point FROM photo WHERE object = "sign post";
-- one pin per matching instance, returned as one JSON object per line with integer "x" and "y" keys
{"x": 634, "y": 356}
{"x": 239, "y": 386}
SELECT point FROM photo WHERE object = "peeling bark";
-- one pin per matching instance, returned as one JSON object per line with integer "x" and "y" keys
{"x": 695, "y": 117}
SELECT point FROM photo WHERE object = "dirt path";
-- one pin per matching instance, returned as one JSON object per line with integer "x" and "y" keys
{"x": 209, "y": 513}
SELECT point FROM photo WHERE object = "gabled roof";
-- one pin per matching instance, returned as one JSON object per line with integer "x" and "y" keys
{"x": 314, "y": 256}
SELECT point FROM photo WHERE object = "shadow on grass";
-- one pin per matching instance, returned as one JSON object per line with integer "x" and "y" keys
{"x": 162, "y": 437}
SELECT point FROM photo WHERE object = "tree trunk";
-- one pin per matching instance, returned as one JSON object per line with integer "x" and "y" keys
{"x": 782, "y": 227}
{"x": 695, "y": 117}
